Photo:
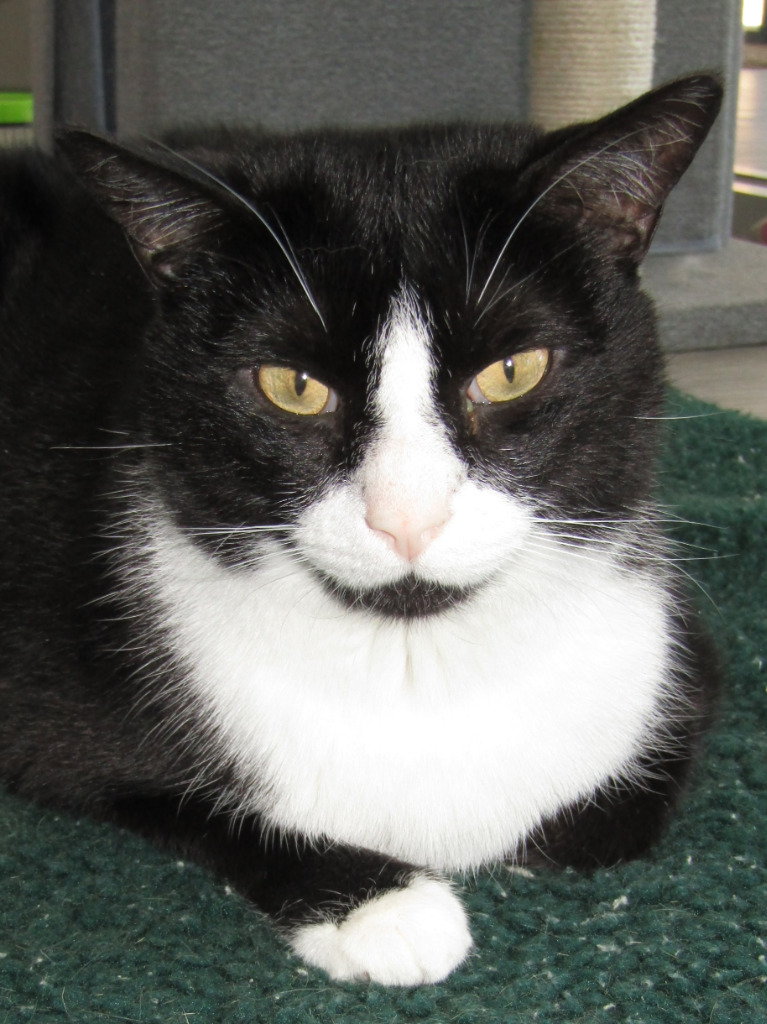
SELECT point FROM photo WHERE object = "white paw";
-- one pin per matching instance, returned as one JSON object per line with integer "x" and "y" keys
{"x": 411, "y": 936}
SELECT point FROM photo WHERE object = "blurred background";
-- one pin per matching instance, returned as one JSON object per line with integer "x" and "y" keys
{"x": 138, "y": 68}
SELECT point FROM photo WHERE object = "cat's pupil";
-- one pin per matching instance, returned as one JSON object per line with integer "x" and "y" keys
{"x": 508, "y": 369}
{"x": 300, "y": 383}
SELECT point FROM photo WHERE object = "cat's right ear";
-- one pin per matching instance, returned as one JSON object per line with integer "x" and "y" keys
{"x": 616, "y": 173}
{"x": 166, "y": 215}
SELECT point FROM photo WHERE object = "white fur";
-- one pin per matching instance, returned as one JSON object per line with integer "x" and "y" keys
{"x": 411, "y": 936}
{"x": 412, "y": 474}
{"x": 441, "y": 741}
{"x": 409, "y": 479}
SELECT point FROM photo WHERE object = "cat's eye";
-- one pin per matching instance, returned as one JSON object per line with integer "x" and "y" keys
{"x": 509, "y": 378}
{"x": 295, "y": 391}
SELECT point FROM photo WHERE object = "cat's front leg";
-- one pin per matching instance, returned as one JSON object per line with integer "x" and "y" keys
{"x": 356, "y": 914}
{"x": 361, "y": 916}
{"x": 412, "y": 933}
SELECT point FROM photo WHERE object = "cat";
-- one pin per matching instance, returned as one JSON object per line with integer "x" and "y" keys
{"x": 329, "y": 552}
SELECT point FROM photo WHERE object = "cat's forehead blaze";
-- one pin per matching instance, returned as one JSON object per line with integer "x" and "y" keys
{"x": 407, "y": 370}
{"x": 360, "y": 247}
{"x": 356, "y": 281}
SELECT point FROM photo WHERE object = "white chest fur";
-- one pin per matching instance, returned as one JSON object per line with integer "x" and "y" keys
{"x": 441, "y": 742}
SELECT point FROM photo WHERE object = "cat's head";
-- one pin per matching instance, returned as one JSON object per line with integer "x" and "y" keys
{"x": 403, "y": 352}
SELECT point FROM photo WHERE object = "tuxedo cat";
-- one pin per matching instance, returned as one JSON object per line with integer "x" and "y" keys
{"x": 329, "y": 556}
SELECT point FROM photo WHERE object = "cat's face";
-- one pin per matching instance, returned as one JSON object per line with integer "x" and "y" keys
{"x": 410, "y": 356}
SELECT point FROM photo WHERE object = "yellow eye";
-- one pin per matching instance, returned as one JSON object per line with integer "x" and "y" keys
{"x": 509, "y": 378}
{"x": 295, "y": 391}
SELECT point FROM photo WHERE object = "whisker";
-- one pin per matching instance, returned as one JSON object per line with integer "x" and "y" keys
{"x": 699, "y": 586}
{"x": 107, "y": 447}
{"x": 691, "y": 416}
{"x": 469, "y": 261}
{"x": 665, "y": 517}
{"x": 613, "y": 144}
{"x": 471, "y": 264}
{"x": 674, "y": 520}
{"x": 283, "y": 243}
{"x": 499, "y": 295}
{"x": 213, "y": 531}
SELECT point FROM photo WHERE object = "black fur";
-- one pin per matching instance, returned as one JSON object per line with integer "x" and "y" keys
{"x": 123, "y": 350}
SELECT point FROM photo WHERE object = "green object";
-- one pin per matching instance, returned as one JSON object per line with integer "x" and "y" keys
{"x": 96, "y": 926}
{"x": 16, "y": 108}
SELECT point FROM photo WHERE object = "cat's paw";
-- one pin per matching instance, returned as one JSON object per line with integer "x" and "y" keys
{"x": 411, "y": 936}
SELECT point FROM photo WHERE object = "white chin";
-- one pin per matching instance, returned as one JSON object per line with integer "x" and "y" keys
{"x": 486, "y": 530}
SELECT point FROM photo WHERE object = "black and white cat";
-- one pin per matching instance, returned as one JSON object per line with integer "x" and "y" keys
{"x": 329, "y": 557}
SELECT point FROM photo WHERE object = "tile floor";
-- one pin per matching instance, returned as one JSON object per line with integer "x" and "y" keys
{"x": 734, "y": 378}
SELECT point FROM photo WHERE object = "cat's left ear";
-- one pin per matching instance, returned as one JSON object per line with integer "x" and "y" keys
{"x": 166, "y": 214}
{"x": 616, "y": 173}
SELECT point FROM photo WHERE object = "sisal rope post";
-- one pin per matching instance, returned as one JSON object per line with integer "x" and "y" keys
{"x": 589, "y": 57}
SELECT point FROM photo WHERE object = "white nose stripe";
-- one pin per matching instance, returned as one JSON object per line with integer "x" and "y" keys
{"x": 411, "y": 474}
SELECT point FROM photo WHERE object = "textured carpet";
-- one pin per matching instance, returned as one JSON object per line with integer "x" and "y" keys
{"x": 97, "y": 926}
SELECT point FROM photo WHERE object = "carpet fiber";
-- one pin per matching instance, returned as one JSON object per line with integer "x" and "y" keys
{"x": 97, "y": 926}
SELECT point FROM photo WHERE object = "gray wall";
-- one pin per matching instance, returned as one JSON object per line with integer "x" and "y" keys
{"x": 295, "y": 64}
{"x": 694, "y": 35}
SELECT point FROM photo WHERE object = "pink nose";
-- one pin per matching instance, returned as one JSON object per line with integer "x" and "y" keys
{"x": 409, "y": 537}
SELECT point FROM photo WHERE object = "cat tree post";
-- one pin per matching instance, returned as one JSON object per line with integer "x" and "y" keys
{"x": 588, "y": 57}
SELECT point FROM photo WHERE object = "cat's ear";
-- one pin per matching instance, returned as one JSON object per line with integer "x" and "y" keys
{"x": 166, "y": 215}
{"x": 616, "y": 173}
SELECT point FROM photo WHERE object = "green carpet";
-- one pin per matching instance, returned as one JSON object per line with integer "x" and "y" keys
{"x": 97, "y": 926}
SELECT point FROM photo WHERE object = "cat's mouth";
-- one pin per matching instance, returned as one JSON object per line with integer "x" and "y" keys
{"x": 409, "y": 598}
